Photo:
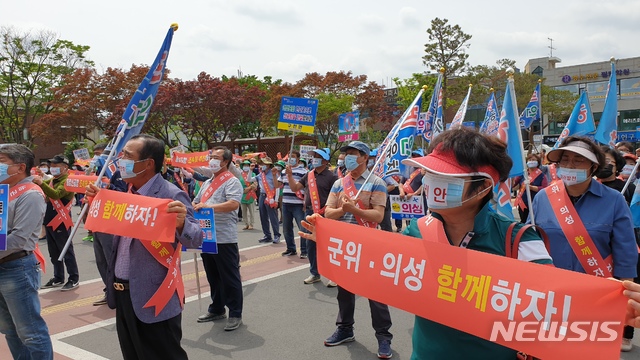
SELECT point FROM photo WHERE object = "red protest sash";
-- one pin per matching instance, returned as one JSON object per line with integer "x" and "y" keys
{"x": 64, "y": 214}
{"x": 271, "y": 193}
{"x": 472, "y": 291}
{"x": 552, "y": 171}
{"x": 407, "y": 184}
{"x": 575, "y": 232}
{"x": 534, "y": 175}
{"x": 180, "y": 182}
{"x": 350, "y": 189}
{"x": 251, "y": 195}
{"x": 78, "y": 183}
{"x": 184, "y": 160}
{"x": 173, "y": 281}
{"x": 214, "y": 185}
{"x": 15, "y": 193}
{"x": 432, "y": 229}
{"x": 131, "y": 215}
{"x": 313, "y": 192}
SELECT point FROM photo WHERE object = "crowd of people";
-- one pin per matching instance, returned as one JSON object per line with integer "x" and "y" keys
{"x": 579, "y": 177}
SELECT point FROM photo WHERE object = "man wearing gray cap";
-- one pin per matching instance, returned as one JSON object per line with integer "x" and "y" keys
{"x": 365, "y": 210}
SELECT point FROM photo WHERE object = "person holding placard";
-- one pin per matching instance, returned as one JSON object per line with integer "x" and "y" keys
{"x": 267, "y": 201}
{"x": 223, "y": 193}
{"x": 137, "y": 268}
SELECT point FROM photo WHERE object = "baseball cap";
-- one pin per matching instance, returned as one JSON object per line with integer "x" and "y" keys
{"x": 59, "y": 159}
{"x": 324, "y": 153}
{"x": 373, "y": 153}
{"x": 358, "y": 145}
{"x": 445, "y": 163}
{"x": 266, "y": 160}
{"x": 576, "y": 147}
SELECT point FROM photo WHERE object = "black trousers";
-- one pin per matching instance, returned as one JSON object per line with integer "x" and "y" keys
{"x": 223, "y": 275}
{"x": 139, "y": 341}
{"x": 380, "y": 317}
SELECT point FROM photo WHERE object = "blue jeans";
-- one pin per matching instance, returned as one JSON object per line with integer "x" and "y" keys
{"x": 25, "y": 330}
{"x": 311, "y": 251}
{"x": 268, "y": 214}
{"x": 292, "y": 212}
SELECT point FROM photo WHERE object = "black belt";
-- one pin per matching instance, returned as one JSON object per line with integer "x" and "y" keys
{"x": 121, "y": 285}
{"x": 15, "y": 256}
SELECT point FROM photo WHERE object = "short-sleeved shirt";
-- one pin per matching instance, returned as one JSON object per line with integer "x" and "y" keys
{"x": 288, "y": 196}
{"x": 374, "y": 192}
{"x": 432, "y": 340}
{"x": 225, "y": 222}
{"x": 324, "y": 182}
{"x": 258, "y": 179}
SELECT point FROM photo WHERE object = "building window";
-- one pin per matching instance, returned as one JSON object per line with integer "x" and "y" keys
{"x": 538, "y": 71}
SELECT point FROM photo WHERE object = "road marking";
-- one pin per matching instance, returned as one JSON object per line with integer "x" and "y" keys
{"x": 75, "y": 352}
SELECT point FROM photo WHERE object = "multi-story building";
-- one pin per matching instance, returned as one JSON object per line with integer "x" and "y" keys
{"x": 593, "y": 78}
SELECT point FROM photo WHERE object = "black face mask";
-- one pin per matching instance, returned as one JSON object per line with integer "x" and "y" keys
{"x": 605, "y": 172}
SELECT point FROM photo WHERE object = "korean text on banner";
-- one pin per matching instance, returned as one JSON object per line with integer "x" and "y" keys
{"x": 406, "y": 209}
{"x": 209, "y": 245}
{"x": 78, "y": 183}
{"x": 298, "y": 114}
{"x": 4, "y": 213}
{"x": 187, "y": 160}
{"x": 135, "y": 216}
{"x": 349, "y": 126}
{"x": 489, "y": 296}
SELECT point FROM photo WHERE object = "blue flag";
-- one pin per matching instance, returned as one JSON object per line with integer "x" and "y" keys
{"x": 431, "y": 111}
{"x": 502, "y": 196}
{"x": 462, "y": 111}
{"x": 580, "y": 122}
{"x": 398, "y": 144}
{"x": 140, "y": 104}
{"x": 607, "y": 131}
{"x": 509, "y": 130}
{"x": 532, "y": 112}
{"x": 490, "y": 124}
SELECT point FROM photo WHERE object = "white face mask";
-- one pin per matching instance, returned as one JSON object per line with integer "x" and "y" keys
{"x": 55, "y": 171}
{"x": 532, "y": 164}
{"x": 214, "y": 165}
{"x": 572, "y": 176}
{"x": 446, "y": 192}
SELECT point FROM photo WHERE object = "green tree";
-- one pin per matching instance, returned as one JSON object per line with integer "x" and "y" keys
{"x": 31, "y": 65}
{"x": 446, "y": 49}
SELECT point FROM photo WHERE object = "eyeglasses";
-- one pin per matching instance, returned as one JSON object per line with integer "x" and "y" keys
{"x": 576, "y": 161}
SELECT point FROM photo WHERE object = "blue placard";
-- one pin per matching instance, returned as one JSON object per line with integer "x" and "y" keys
{"x": 209, "y": 244}
{"x": 298, "y": 114}
{"x": 4, "y": 211}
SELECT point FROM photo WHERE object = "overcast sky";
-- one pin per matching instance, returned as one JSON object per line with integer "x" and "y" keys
{"x": 286, "y": 39}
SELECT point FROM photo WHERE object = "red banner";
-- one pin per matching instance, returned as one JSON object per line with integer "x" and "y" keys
{"x": 78, "y": 183}
{"x": 136, "y": 216}
{"x": 184, "y": 160}
{"x": 507, "y": 301}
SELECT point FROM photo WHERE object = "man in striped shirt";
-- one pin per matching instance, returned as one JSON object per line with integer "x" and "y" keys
{"x": 292, "y": 206}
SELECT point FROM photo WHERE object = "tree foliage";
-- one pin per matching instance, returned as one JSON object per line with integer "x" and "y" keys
{"x": 31, "y": 65}
{"x": 446, "y": 49}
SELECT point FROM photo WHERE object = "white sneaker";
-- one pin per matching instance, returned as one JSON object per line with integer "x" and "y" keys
{"x": 312, "y": 279}
{"x": 626, "y": 345}
{"x": 331, "y": 284}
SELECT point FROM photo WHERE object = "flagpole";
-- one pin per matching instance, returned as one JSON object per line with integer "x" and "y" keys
{"x": 85, "y": 206}
{"x": 525, "y": 174}
{"x": 393, "y": 135}
{"x": 541, "y": 116}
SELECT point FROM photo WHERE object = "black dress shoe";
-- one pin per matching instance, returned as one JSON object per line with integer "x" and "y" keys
{"x": 211, "y": 317}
